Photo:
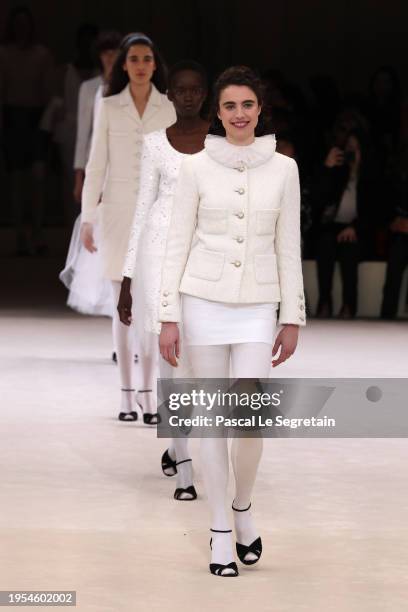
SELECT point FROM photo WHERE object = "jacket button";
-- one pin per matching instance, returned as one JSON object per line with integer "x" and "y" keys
{"x": 165, "y": 303}
{"x": 240, "y": 215}
{"x": 300, "y": 296}
{"x": 240, "y": 239}
{"x": 165, "y": 293}
{"x": 302, "y": 318}
{"x": 301, "y": 307}
{"x": 241, "y": 190}
{"x": 237, "y": 263}
{"x": 240, "y": 168}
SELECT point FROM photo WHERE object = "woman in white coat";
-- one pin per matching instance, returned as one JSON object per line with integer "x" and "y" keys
{"x": 89, "y": 292}
{"x": 233, "y": 258}
{"x": 135, "y": 104}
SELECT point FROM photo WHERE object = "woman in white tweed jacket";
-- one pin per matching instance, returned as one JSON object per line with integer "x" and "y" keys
{"x": 233, "y": 258}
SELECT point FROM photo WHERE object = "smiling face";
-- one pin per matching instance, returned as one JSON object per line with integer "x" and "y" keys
{"x": 140, "y": 64}
{"x": 238, "y": 110}
{"x": 187, "y": 92}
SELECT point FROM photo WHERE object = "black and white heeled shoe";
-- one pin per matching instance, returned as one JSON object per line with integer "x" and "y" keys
{"x": 190, "y": 491}
{"x": 255, "y": 547}
{"x": 149, "y": 418}
{"x": 128, "y": 416}
{"x": 217, "y": 568}
{"x": 167, "y": 463}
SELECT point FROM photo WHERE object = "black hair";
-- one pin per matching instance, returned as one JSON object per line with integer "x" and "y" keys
{"x": 392, "y": 73}
{"x": 238, "y": 75}
{"x": 119, "y": 77}
{"x": 107, "y": 40}
{"x": 89, "y": 30}
{"x": 15, "y": 12}
{"x": 191, "y": 65}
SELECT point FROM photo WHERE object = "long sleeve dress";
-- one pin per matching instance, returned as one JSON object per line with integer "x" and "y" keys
{"x": 160, "y": 165}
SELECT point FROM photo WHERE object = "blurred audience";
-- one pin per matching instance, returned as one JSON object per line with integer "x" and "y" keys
{"x": 350, "y": 149}
{"x": 26, "y": 80}
{"x": 398, "y": 242}
{"x": 344, "y": 196}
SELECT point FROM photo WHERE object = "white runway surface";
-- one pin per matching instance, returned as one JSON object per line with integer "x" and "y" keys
{"x": 84, "y": 505}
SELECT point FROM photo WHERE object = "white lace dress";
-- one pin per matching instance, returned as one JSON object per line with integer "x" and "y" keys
{"x": 160, "y": 165}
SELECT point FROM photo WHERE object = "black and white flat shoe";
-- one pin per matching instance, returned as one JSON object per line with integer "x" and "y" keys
{"x": 225, "y": 571}
{"x": 181, "y": 494}
{"x": 255, "y": 547}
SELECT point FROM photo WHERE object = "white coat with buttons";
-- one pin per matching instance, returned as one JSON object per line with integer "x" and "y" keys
{"x": 234, "y": 235}
{"x": 112, "y": 173}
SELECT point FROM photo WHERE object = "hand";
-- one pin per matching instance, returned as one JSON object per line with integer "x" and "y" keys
{"x": 334, "y": 158}
{"x": 400, "y": 225}
{"x": 286, "y": 341}
{"x": 87, "y": 237}
{"x": 169, "y": 342}
{"x": 347, "y": 235}
{"x": 78, "y": 186}
{"x": 125, "y": 302}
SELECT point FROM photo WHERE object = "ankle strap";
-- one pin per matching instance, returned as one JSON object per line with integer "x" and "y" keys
{"x": 144, "y": 391}
{"x": 127, "y": 390}
{"x": 243, "y": 509}
{"x": 184, "y": 461}
{"x": 221, "y": 530}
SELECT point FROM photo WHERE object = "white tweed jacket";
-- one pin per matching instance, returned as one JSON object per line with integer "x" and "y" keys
{"x": 234, "y": 234}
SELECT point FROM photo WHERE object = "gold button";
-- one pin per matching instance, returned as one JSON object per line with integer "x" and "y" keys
{"x": 241, "y": 190}
{"x": 240, "y": 239}
{"x": 165, "y": 304}
{"x": 237, "y": 263}
{"x": 240, "y": 215}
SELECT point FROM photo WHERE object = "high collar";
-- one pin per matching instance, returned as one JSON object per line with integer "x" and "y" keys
{"x": 233, "y": 156}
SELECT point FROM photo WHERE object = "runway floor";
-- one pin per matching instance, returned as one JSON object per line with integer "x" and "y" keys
{"x": 84, "y": 505}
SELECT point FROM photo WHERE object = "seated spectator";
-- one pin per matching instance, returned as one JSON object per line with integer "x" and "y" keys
{"x": 344, "y": 197}
{"x": 398, "y": 247}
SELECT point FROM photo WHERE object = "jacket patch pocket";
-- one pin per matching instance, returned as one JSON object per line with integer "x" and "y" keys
{"x": 204, "y": 264}
{"x": 266, "y": 269}
{"x": 212, "y": 220}
{"x": 266, "y": 221}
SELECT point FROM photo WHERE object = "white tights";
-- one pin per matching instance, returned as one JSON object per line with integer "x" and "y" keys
{"x": 249, "y": 360}
{"x": 143, "y": 376}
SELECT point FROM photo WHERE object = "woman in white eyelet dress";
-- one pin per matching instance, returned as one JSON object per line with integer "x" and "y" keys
{"x": 160, "y": 165}
{"x": 161, "y": 159}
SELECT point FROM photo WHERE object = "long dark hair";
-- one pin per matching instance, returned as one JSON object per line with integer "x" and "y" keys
{"x": 15, "y": 12}
{"x": 238, "y": 75}
{"x": 119, "y": 77}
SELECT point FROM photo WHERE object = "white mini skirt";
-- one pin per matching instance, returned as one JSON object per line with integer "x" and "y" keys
{"x": 206, "y": 322}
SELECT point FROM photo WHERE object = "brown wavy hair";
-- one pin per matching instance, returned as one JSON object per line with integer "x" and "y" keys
{"x": 239, "y": 75}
